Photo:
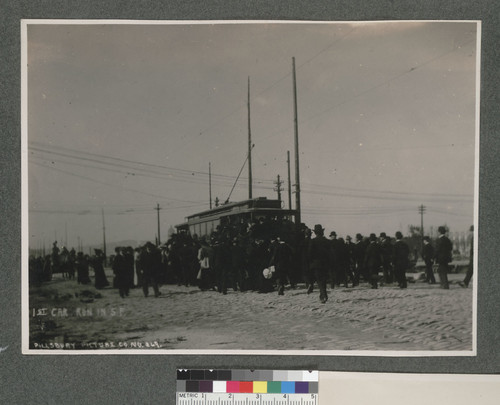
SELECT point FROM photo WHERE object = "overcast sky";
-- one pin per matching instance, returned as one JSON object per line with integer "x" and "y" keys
{"x": 122, "y": 117}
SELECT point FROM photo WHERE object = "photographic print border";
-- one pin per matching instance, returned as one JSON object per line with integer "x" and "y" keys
{"x": 25, "y": 215}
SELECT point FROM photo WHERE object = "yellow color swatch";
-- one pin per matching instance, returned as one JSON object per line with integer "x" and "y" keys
{"x": 260, "y": 387}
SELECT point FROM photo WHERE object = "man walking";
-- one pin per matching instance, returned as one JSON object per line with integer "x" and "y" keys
{"x": 443, "y": 257}
{"x": 320, "y": 259}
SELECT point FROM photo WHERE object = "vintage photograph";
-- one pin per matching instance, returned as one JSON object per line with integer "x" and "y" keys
{"x": 233, "y": 187}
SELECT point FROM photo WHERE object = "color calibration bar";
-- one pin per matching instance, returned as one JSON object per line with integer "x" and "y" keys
{"x": 247, "y": 387}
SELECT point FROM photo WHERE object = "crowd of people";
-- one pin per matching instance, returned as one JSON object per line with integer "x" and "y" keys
{"x": 263, "y": 256}
{"x": 69, "y": 263}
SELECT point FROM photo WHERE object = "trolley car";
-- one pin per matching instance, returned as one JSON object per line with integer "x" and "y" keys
{"x": 247, "y": 211}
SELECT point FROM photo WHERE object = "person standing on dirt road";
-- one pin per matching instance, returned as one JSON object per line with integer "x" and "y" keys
{"x": 443, "y": 257}
{"x": 428, "y": 256}
{"x": 320, "y": 260}
{"x": 373, "y": 261}
{"x": 400, "y": 260}
{"x": 120, "y": 271}
{"x": 151, "y": 269}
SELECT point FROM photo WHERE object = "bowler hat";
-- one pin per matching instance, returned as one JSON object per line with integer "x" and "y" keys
{"x": 318, "y": 229}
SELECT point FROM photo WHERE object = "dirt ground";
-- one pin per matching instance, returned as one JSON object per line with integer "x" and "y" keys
{"x": 423, "y": 317}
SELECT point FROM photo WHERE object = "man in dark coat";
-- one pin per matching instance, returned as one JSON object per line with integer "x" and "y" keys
{"x": 320, "y": 260}
{"x": 373, "y": 261}
{"x": 335, "y": 276}
{"x": 342, "y": 258}
{"x": 151, "y": 269}
{"x": 120, "y": 272}
{"x": 400, "y": 260}
{"x": 443, "y": 257}
{"x": 386, "y": 248}
{"x": 428, "y": 256}
{"x": 97, "y": 263}
{"x": 82, "y": 268}
{"x": 358, "y": 255}
{"x": 222, "y": 261}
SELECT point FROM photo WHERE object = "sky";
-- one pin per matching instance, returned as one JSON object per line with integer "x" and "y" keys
{"x": 123, "y": 117}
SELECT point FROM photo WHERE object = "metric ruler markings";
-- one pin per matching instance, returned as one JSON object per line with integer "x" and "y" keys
{"x": 240, "y": 399}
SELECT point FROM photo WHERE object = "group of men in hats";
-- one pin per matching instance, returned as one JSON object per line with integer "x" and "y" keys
{"x": 148, "y": 263}
{"x": 338, "y": 261}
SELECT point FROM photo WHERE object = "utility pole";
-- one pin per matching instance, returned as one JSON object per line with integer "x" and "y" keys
{"x": 210, "y": 183}
{"x": 421, "y": 211}
{"x": 249, "y": 147}
{"x": 104, "y": 239}
{"x": 278, "y": 188}
{"x": 158, "y": 212}
{"x": 289, "y": 181}
{"x": 296, "y": 127}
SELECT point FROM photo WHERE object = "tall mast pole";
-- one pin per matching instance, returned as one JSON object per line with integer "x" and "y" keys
{"x": 210, "y": 183}
{"x": 289, "y": 181}
{"x": 249, "y": 147}
{"x": 296, "y": 127}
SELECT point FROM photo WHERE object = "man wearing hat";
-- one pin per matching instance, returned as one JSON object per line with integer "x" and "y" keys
{"x": 151, "y": 269}
{"x": 443, "y": 257}
{"x": 320, "y": 259}
{"x": 335, "y": 276}
{"x": 358, "y": 253}
{"x": 386, "y": 248}
{"x": 120, "y": 272}
{"x": 400, "y": 260}
{"x": 373, "y": 260}
{"x": 428, "y": 256}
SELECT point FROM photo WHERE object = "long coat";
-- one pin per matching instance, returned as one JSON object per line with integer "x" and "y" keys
{"x": 443, "y": 250}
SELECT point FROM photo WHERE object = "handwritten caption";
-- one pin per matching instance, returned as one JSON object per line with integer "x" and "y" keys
{"x": 98, "y": 345}
{"x": 77, "y": 312}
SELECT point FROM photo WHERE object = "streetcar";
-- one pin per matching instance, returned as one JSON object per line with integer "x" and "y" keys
{"x": 232, "y": 214}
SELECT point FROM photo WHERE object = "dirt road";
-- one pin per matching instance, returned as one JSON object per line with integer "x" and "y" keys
{"x": 420, "y": 318}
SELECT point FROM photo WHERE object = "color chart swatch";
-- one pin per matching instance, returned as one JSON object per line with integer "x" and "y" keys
{"x": 248, "y": 387}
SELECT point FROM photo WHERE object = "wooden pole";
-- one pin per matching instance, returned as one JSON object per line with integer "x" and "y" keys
{"x": 296, "y": 132}
{"x": 249, "y": 147}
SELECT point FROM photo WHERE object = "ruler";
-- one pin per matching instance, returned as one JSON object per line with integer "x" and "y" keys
{"x": 246, "y": 387}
